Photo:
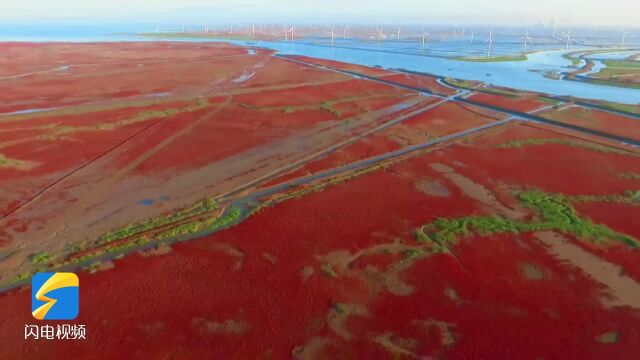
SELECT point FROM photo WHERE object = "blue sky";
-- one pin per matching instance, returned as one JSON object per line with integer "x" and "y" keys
{"x": 510, "y": 12}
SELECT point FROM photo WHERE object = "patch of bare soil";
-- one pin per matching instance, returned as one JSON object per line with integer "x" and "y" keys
{"x": 402, "y": 348}
{"x": 312, "y": 350}
{"x": 478, "y": 192}
{"x": 624, "y": 291}
{"x": 338, "y": 315}
{"x": 432, "y": 188}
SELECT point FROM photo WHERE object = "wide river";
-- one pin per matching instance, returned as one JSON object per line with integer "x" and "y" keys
{"x": 523, "y": 75}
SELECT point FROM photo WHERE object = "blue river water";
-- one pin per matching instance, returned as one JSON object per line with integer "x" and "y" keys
{"x": 523, "y": 75}
{"x": 618, "y": 55}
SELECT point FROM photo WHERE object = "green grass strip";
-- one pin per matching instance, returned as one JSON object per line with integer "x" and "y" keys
{"x": 210, "y": 225}
{"x": 555, "y": 214}
{"x": 630, "y": 175}
{"x": 201, "y": 207}
{"x": 519, "y": 57}
{"x": 594, "y": 147}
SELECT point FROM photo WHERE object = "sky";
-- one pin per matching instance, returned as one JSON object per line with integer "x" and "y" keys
{"x": 619, "y": 13}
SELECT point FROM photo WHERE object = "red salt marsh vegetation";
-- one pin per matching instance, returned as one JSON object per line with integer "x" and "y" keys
{"x": 446, "y": 119}
{"x": 597, "y": 120}
{"x": 222, "y": 125}
{"x": 46, "y": 149}
{"x": 360, "y": 69}
{"x": 517, "y": 241}
{"x": 432, "y": 123}
{"x": 523, "y": 103}
{"x": 421, "y": 82}
{"x": 81, "y": 74}
{"x": 340, "y": 272}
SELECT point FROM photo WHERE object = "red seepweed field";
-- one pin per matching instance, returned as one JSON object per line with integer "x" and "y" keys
{"x": 524, "y": 103}
{"x": 267, "y": 208}
{"x": 597, "y": 120}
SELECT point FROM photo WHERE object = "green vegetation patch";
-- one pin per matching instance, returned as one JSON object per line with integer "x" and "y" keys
{"x": 632, "y": 109}
{"x": 21, "y": 277}
{"x": 211, "y": 224}
{"x": 554, "y": 214}
{"x": 140, "y": 117}
{"x": 328, "y": 106}
{"x": 618, "y": 73}
{"x": 630, "y": 175}
{"x": 201, "y": 207}
{"x": 632, "y": 195}
{"x": 39, "y": 258}
{"x": 615, "y": 72}
{"x": 468, "y": 84}
{"x": 502, "y": 92}
{"x": 629, "y": 196}
{"x": 576, "y": 56}
{"x": 472, "y": 85}
{"x": 575, "y": 61}
{"x": 231, "y": 216}
{"x": 622, "y": 64}
{"x": 532, "y": 272}
{"x": 413, "y": 253}
{"x": 519, "y": 57}
{"x": 583, "y": 145}
{"x": 549, "y": 100}
{"x": 143, "y": 240}
{"x": 60, "y": 131}
{"x": 7, "y": 163}
{"x": 610, "y": 337}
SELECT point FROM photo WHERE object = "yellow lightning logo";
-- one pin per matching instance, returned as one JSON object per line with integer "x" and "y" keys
{"x": 56, "y": 281}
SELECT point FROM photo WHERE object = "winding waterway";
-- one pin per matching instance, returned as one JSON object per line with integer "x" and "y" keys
{"x": 523, "y": 75}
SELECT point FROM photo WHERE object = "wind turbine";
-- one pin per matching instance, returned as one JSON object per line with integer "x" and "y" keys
{"x": 490, "y": 43}
{"x": 624, "y": 38}
{"x": 526, "y": 38}
{"x": 568, "y": 38}
{"x": 286, "y": 32}
{"x": 292, "y": 32}
{"x": 472, "y": 37}
{"x": 424, "y": 37}
{"x": 398, "y": 38}
{"x": 206, "y": 28}
{"x": 333, "y": 35}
